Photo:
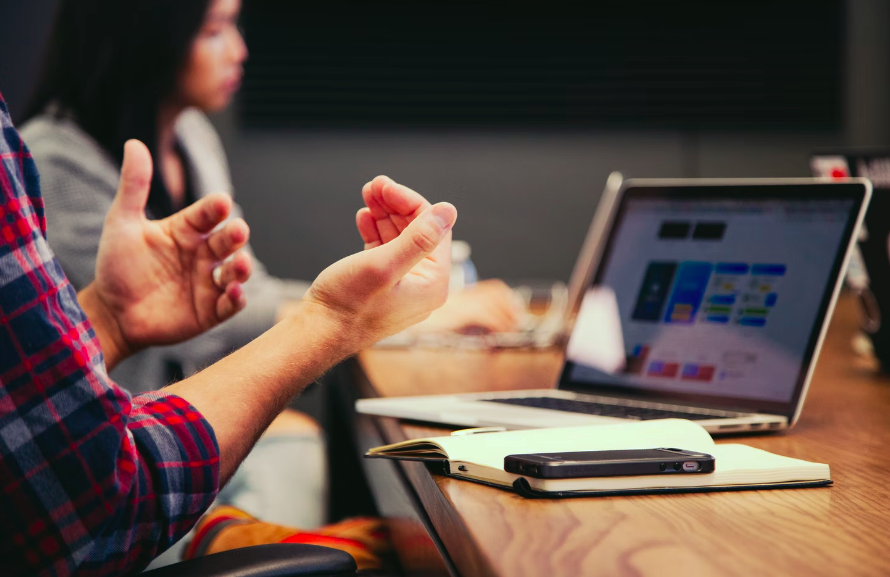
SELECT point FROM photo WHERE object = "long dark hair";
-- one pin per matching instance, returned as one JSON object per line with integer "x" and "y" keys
{"x": 111, "y": 63}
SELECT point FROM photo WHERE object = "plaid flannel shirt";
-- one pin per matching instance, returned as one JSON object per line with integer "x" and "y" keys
{"x": 92, "y": 481}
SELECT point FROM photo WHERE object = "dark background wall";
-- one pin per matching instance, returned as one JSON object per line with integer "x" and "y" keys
{"x": 24, "y": 29}
{"x": 525, "y": 194}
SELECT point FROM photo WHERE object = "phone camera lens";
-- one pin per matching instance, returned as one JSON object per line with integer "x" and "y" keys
{"x": 663, "y": 467}
{"x": 677, "y": 466}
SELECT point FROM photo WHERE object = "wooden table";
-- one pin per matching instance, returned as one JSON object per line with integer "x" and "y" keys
{"x": 478, "y": 530}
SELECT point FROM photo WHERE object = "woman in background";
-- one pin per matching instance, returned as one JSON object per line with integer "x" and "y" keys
{"x": 150, "y": 70}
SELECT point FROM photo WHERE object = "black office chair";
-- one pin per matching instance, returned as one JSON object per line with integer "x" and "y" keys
{"x": 277, "y": 560}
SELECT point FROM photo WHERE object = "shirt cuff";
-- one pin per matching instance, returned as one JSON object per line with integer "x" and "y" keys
{"x": 178, "y": 448}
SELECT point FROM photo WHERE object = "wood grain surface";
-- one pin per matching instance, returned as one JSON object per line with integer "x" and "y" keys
{"x": 838, "y": 530}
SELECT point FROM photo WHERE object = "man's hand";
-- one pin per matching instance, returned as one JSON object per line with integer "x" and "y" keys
{"x": 155, "y": 279}
{"x": 400, "y": 278}
{"x": 397, "y": 281}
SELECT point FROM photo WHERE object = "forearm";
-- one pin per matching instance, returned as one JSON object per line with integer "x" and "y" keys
{"x": 111, "y": 340}
{"x": 241, "y": 394}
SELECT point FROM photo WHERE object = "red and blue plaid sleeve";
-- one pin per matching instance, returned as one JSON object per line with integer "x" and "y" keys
{"x": 92, "y": 481}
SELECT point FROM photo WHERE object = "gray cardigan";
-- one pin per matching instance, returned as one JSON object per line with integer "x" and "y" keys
{"x": 79, "y": 180}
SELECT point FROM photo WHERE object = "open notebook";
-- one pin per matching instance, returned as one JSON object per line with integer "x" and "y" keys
{"x": 480, "y": 458}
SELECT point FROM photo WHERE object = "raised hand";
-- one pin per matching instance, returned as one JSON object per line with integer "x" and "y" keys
{"x": 489, "y": 306}
{"x": 396, "y": 282}
{"x": 401, "y": 277}
{"x": 155, "y": 279}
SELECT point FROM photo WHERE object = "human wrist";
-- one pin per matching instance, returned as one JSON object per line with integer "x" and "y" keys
{"x": 331, "y": 329}
{"x": 286, "y": 308}
{"x": 114, "y": 345}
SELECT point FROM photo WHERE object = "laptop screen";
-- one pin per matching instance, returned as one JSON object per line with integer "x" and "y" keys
{"x": 716, "y": 294}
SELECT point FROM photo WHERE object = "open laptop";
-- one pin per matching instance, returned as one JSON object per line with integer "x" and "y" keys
{"x": 720, "y": 294}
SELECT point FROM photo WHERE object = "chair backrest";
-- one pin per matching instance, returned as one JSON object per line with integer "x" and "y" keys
{"x": 277, "y": 560}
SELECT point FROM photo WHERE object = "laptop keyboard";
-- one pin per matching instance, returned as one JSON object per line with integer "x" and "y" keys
{"x": 606, "y": 410}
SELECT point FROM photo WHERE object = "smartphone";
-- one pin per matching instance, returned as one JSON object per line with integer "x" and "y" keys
{"x": 609, "y": 463}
